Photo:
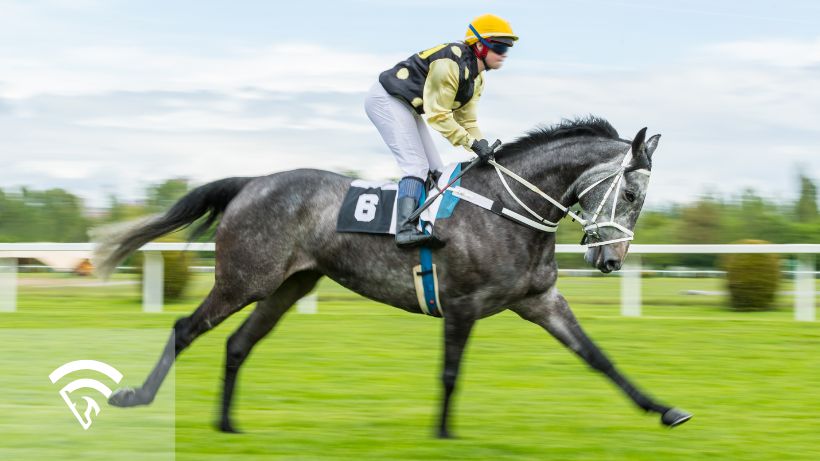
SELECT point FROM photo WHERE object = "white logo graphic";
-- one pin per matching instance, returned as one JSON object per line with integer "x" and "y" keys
{"x": 366, "y": 207}
{"x": 70, "y": 367}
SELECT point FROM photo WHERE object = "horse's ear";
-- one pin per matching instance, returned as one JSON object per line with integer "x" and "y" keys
{"x": 637, "y": 143}
{"x": 652, "y": 144}
{"x": 641, "y": 151}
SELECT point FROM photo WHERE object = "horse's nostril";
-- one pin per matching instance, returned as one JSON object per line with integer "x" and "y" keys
{"x": 613, "y": 264}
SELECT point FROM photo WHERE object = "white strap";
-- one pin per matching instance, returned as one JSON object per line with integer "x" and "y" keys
{"x": 472, "y": 197}
{"x": 616, "y": 197}
{"x": 627, "y": 158}
{"x": 529, "y": 185}
{"x": 588, "y": 225}
{"x": 597, "y": 244}
{"x": 537, "y": 216}
{"x": 629, "y": 234}
{"x": 592, "y": 186}
{"x": 528, "y": 221}
{"x": 615, "y": 182}
{"x": 597, "y": 226}
{"x": 487, "y": 204}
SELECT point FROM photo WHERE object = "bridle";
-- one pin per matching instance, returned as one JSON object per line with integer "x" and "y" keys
{"x": 590, "y": 226}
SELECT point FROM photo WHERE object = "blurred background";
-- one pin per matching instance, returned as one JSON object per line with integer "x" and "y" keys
{"x": 104, "y": 99}
{"x": 111, "y": 110}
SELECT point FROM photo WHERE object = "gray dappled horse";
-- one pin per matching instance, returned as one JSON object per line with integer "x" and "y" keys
{"x": 277, "y": 238}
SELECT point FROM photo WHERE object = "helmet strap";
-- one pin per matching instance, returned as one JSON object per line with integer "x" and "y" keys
{"x": 482, "y": 55}
{"x": 485, "y": 50}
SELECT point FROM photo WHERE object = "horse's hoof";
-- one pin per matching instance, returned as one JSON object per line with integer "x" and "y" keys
{"x": 674, "y": 417}
{"x": 228, "y": 428}
{"x": 444, "y": 434}
{"x": 125, "y": 397}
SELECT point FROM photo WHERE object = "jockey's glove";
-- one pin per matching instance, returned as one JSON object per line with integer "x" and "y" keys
{"x": 482, "y": 148}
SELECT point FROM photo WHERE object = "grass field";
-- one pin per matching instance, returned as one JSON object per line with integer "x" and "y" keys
{"x": 359, "y": 380}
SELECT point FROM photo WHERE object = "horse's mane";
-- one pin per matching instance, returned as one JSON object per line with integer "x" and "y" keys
{"x": 590, "y": 126}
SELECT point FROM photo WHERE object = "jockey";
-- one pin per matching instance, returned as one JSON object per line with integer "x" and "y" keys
{"x": 444, "y": 83}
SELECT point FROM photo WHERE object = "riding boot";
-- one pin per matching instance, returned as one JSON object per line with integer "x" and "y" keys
{"x": 408, "y": 236}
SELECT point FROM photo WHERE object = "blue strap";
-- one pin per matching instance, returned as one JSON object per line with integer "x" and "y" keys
{"x": 480, "y": 38}
{"x": 427, "y": 280}
{"x": 448, "y": 200}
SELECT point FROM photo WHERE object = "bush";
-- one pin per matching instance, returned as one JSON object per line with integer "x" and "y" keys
{"x": 175, "y": 271}
{"x": 176, "y": 274}
{"x": 752, "y": 279}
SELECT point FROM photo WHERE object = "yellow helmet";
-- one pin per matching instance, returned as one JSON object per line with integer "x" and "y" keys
{"x": 488, "y": 26}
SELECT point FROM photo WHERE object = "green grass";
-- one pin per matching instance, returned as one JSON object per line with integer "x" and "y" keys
{"x": 359, "y": 380}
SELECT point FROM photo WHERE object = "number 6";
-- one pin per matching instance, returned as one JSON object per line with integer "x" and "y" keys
{"x": 366, "y": 207}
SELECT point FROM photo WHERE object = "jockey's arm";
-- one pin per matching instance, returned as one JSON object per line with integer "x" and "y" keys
{"x": 439, "y": 97}
{"x": 467, "y": 115}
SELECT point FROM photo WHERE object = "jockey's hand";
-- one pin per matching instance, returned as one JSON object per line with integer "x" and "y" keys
{"x": 482, "y": 148}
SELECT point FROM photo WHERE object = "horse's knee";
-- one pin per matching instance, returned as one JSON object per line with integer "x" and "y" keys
{"x": 181, "y": 332}
{"x": 236, "y": 351}
{"x": 182, "y": 326}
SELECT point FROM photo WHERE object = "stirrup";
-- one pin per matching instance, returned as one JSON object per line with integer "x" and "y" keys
{"x": 414, "y": 239}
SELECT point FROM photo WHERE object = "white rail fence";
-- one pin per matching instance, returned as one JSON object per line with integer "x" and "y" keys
{"x": 804, "y": 302}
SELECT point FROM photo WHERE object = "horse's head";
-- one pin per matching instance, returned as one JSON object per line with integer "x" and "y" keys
{"x": 612, "y": 196}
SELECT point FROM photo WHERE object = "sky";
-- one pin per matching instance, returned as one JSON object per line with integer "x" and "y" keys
{"x": 107, "y": 97}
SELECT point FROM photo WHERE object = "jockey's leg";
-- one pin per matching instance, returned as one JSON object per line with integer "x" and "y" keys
{"x": 434, "y": 162}
{"x": 407, "y": 235}
{"x": 397, "y": 124}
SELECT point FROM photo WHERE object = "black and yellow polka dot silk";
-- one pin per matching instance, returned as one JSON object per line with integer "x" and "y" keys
{"x": 444, "y": 83}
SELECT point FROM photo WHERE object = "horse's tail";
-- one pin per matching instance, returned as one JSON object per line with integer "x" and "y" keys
{"x": 114, "y": 244}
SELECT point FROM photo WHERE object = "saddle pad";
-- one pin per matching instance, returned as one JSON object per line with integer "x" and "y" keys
{"x": 370, "y": 206}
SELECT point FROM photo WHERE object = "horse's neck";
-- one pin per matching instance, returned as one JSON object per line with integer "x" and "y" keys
{"x": 554, "y": 171}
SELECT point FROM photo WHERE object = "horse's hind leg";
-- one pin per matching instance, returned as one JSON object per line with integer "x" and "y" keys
{"x": 261, "y": 321}
{"x": 217, "y": 306}
{"x": 552, "y": 312}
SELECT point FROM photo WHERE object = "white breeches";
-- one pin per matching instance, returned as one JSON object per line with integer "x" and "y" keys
{"x": 404, "y": 132}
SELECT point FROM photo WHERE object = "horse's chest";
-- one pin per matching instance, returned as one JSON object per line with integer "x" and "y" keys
{"x": 514, "y": 284}
{"x": 542, "y": 278}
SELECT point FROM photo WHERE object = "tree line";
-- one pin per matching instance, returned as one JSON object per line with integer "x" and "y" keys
{"x": 56, "y": 215}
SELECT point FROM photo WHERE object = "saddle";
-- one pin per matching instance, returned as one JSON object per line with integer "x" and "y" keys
{"x": 369, "y": 207}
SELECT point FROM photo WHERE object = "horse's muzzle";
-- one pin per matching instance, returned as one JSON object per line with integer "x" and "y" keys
{"x": 606, "y": 258}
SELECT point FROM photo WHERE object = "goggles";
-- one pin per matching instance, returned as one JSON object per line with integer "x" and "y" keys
{"x": 497, "y": 45}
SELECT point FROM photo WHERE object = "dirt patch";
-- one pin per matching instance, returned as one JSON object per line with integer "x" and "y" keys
{"x": 63, "y": 283}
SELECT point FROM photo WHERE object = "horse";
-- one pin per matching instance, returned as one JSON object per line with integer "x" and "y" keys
{"x": 276, "y": 238}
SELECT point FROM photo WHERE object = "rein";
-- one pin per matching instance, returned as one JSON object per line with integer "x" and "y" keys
{"x": 590, "y": 226}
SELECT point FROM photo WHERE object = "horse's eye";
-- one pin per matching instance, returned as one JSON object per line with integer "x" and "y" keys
{"x": 629, "y": 196}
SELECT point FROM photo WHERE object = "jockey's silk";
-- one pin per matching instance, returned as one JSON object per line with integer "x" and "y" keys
{"x": 444, "y": 83}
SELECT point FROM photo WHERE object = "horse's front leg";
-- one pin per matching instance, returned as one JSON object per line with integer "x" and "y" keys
{"x": 457, "y": 330}
{"x": 552, "y": 312}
